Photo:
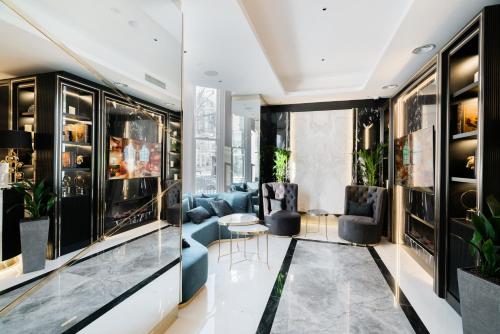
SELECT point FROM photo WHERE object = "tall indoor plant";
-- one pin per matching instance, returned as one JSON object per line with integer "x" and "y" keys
{"x": 369, "y": 162}
{"x": 34, "y": 229}
{"x": 281, "y": 157}
{"x": 480, "y": 286}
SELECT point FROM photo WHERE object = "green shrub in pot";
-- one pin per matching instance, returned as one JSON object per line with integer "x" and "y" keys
{"x": 34, "y": 229}
{"x": 480, "y": 286}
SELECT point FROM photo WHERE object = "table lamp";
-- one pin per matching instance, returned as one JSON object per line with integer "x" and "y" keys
{"x": 14, "y": 140}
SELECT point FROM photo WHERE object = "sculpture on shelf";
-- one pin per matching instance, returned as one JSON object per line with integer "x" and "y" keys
{"x": 14, "y": 140}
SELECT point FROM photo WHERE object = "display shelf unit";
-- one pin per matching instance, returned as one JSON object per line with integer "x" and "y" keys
{"x": 470, "y": 107}
{"x": 24, "y": 119}
{"x": 174, "y": 148}
{"x": 414, "y": 109}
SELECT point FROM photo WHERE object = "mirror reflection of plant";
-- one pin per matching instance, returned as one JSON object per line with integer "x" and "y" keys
{"x": 369, "y": 161}
{"x": 38, "y": 199}
{"x": 281, "y": 157}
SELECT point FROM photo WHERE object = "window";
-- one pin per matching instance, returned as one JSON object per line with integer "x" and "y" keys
{"x": 238, "y": 149}
{"x": 205, "y": 135}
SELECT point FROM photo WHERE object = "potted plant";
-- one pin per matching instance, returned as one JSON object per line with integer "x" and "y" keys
{"x": 479, "y": 287}
{"x": 369, "y": 161}
{"x": 280, "y": 168}
{"x": 34, "y": 229}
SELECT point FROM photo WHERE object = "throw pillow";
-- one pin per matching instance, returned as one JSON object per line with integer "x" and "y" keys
{"x": 221, "y": 208}
{"x": 276, "y": 204}
{"x": 198, "y": 214}
{"x": 205, "y": 202}
{"x": 185, "y": 209}
{"x": 185, "y": 244}
{"x": 357, "y": 209}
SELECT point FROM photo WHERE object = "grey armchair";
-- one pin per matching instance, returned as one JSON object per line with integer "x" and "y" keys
{"x": 361, "y": 229}
{"x": 284, "y": 222}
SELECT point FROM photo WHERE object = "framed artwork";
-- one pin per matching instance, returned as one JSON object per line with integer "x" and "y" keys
{"x": 467, "y": 112}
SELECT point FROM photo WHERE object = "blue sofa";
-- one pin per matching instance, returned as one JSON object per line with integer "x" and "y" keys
{"x": 199, "y": 236}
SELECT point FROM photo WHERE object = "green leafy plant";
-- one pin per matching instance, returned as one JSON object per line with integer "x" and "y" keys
{"x": 38, "y": 199}
{"x": 369, "y": 161}
{"x": 486, "y": 239}
{"x": 281, "y": 157}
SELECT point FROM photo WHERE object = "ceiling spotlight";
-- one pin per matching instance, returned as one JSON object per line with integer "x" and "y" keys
{"x": 120, "y": 84}
{"x": 424, "y": 49}
{"x": 220, "y": 81}
{"x": 211, "y": 73}
{"x": 155, "y": 39}
{"x": 185, "y": 51}
{"x": 323, "y": 59}
{"x": 324, "y": 9}
{"x": 390, "y": 86}
{"x": 132, "y": 23}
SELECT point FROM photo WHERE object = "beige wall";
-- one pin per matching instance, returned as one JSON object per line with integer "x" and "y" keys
{"x": 321, "y": 143}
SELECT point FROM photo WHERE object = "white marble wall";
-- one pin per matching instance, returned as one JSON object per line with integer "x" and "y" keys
{"x": 321, "y": 163}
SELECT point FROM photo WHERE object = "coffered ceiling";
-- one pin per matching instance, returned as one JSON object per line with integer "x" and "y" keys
{"x": 295, "y": 51}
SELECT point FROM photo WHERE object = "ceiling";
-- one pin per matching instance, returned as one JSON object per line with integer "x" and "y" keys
{"x": 296, "y": 51}
{"x": 122, "y": 39}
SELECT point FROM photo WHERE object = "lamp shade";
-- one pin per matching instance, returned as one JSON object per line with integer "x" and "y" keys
{"x": 15, "y": 139}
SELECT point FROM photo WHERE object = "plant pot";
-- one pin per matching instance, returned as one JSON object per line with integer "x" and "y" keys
{"x": 34, "y": 238}
{"x": 479, "y": 303}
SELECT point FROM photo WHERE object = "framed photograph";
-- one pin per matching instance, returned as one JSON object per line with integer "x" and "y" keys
{"x": 469, "y": 113}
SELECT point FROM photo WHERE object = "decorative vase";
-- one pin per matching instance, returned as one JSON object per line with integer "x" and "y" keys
{"x": 479, "y": 303}
{"x": 34, "y": 238}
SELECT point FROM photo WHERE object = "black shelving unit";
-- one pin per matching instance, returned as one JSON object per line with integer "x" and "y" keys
{"x": 470, "y": 110}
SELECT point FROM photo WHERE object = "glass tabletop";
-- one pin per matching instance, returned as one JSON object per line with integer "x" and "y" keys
{"x": 255, "y": 228}
{"x": 317, "y": 212}
{"x": 238, "y": 219}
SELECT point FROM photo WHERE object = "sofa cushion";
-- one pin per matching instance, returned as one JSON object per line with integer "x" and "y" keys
{"x": 205, "y": 202}
{"x": 221, "y": 208}
{"x": 198, "y": 214}
{"x": 360, "y": 209}
{"x": 361, "y": 220}
{"x": 185, "y": 209}
{"x": 240, "y": 202}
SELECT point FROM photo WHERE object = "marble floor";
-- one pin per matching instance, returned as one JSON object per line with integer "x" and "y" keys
{"x": 336, "y": 288}
{"x": 74, "y": 295}
{"x": 233, "y": 301}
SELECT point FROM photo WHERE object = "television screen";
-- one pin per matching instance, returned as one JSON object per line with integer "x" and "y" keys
{"x": 414, "y": 160}
{"x": 130, "y": 158}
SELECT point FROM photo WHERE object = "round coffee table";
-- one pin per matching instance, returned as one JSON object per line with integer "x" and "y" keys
{"x": 236, "y": 219}
{"x": 318, "y": 213}
{"x": 248, "y": 230}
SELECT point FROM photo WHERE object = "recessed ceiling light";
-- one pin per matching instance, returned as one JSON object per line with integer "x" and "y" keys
{"x": 424, "y": 49}
{"x": 211, "y": 73}
{"x": 120, "y": 84}
{"x": 390, "y": 86}
{"x": 324, "y": 9}
{"x": 132, "y": 23}
{"x": 323, "y": 59}
{"x": 155, "y": 39}
{"x": 220, "y": 81}
{"x": 115, "y": 10}
{"x": 185, "y": 51}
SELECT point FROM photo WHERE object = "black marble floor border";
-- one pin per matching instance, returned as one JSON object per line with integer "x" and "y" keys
{"x": 266, "y": 322}
{"x": 404, "y": 303}
{"x": 101, "y": 311}
{"x": 40, "y": 277}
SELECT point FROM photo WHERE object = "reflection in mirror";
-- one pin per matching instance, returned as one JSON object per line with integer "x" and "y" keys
{"x": 90, "y": 102}
{"x": 245, "y": 150}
